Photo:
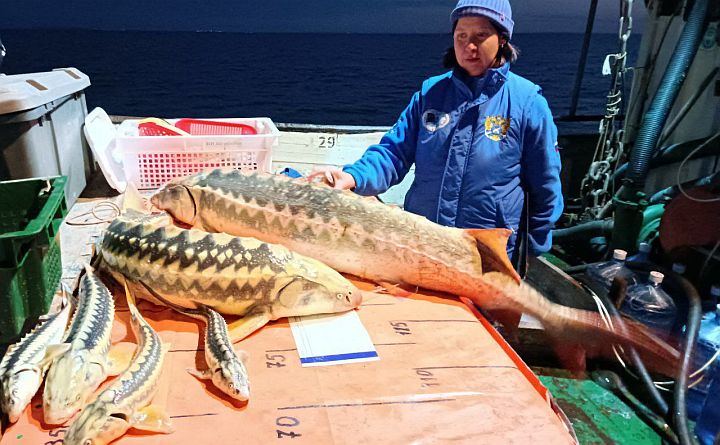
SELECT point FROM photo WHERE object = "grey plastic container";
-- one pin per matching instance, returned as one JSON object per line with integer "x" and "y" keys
{"x": 41, "y": 123}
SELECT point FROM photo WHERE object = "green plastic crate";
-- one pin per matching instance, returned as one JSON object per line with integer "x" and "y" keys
{"x": 31, "y": 212}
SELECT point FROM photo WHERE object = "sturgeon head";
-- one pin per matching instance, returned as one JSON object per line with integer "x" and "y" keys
{"x": 24, "y": 364}
{"x": 310, "y": 288}
{"x": 70, "y": 383}
{"x": 99, "y": 423}
{"x": 18, "y": 389}
{"x": 177, "y": 199}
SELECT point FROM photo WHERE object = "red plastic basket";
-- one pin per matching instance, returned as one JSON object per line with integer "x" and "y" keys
{"x": 198, "y": 127}
{"x": 158, "y": 127}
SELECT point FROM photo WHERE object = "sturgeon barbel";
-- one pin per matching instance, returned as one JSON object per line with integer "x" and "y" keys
{"x": 232, "y": 275}
{"x": 24, "y": 364}
{"x": 76, "y": 374}
{"x": 364, "y": 237}
{"x": 225, "y": 368}
{"x": 125, "y": 403}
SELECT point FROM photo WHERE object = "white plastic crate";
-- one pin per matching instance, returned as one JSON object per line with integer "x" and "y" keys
{"x": 151, "y": 161}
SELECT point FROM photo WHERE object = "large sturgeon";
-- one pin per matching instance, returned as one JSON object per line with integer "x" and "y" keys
{"x": 125, "y": 403}
{"x": 364, "y": 237}
{"x": 232, "y": 275}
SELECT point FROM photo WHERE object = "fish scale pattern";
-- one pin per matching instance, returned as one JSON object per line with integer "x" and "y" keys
{"x": 230, "y": 274}
{"x": 92, "y": 323}
{"x": 315, "y": 220}
{"x": 31, "y": 348}
{"x": 130, "y": 392}
{"x": 140, "y": 381}
{"x": 358, "y": 219}
{"x": 252, "y": 266}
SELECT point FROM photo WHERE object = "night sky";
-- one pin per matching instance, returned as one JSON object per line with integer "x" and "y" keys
{"x": 343, "y": 16}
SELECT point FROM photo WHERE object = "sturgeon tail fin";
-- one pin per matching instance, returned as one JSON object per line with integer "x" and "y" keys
{"x": 492, "y": 245}
{"x": 568, "y": 326}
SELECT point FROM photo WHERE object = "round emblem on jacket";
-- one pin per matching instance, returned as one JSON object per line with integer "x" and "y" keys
{"x": 434, "y": 120}
{"x": 496, "y": 127}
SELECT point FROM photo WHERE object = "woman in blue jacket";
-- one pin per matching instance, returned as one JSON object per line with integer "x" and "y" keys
{"x": 480, "y": 138}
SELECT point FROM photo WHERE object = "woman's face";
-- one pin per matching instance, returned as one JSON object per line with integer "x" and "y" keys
{"x": 476, "y": 44}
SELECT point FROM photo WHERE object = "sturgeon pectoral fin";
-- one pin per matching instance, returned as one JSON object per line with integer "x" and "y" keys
{"x": 242, "y": 356}
{"x": 152, "y": 418}
{"x": 245, "y": 326}
{"x": 120, "y": 357}
{"x": 52, "y": 352}
{"x": 396, "y": 290}
{"x": 133, "y": 200}
{"x": 492, "y": 245}
{"x": 202, "y": 375}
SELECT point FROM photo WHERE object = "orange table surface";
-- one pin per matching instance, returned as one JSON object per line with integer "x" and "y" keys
{"x": 444, "y": 376}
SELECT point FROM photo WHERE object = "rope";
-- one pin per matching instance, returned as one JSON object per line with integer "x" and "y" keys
{"x": 109, "y": 205}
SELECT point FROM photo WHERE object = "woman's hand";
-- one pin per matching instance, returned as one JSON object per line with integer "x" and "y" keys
{"x": 332, "y": 176}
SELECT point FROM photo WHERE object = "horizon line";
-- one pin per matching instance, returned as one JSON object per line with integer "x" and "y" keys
{"x": 204, "y": 31}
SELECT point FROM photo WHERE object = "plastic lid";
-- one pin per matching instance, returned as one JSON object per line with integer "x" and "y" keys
{"x": 678, "y": 268}
{"x": 20, "y": 92}
{"x": 100, "y": 134}
{"x": 715, "y": 291}
{"x": 644, "y": 248}
{"x": 656, "y": 277}
{"x": 619, "y": 254}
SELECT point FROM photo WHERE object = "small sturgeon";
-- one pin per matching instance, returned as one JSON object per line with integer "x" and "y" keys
{"x": 364, "y": 237}
{"x": 77, "y": 373}
{"x": 226, "y": 370}
{"x": 23, "y": 367}
{"x": 125, "y": 403}
{"x": 232, "y": 275}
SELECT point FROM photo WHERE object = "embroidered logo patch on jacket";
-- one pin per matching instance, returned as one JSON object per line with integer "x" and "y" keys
{"x": 496, "y": 127}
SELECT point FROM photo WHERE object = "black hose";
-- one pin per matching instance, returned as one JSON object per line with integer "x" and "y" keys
{"x": 573, "y": 270}
{"x": 675, "y": 153}
{"x": 680, "y": 392}
{"x": 584, "y": 231}
{"x": 681, "y": 288}
{"x": 613, "y": 382}
{"x": 667, "y": 92}
{"x": 671, "y": 192}
{"x": 617, "y": 294}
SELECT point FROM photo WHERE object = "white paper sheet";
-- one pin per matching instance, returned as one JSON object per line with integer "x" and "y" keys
{"x": 332, "y": 339}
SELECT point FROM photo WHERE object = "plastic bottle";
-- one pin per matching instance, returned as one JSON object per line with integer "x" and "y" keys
{"x": 709, "y": 303}
{"x": 651, "y": 305}
{"x": 642, "y": 255}
{"x": 603, "y": 273}
{"x": 707, "y": 345}
{"x": 707, "y": 427}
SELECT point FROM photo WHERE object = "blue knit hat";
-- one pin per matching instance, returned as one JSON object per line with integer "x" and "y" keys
{"x": 498, "y": 11}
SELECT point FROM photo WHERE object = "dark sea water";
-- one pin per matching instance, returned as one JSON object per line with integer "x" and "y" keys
{"x": 341, "y": 79}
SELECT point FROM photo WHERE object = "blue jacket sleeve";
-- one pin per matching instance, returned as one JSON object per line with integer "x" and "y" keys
{"x": 541, "y": 174}
{"x": 387, "y": 162}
